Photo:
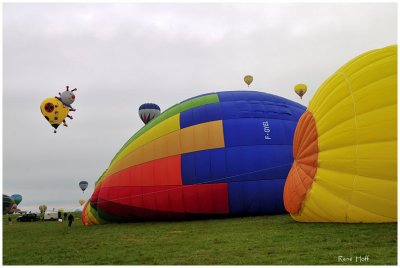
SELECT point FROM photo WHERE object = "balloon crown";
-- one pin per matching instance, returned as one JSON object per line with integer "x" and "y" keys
{"x": 149, "y": 106}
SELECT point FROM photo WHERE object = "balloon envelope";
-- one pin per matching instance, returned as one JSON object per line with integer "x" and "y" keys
{"x": 7, "y": 203}
{"x": 83, "y": 185}
{"x": 82, "y": 201}
{"x": 17, "y": 198}
{"x": 54, "y": 111}
{"x": 345, "y": 146}
{"x": 42, "y": 208}
{"x": 148, "y": 111}
{"x": 248, "y": 79}
{"x": 300, "y": 89}
{"x": 225, "y": 153}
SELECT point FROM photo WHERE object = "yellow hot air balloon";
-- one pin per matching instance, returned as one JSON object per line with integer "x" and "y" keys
{"x": 42, "y": 208}
{"x": 345, "y": 146}
{"x": 300, "y": 89}
{"x": 248, "y": 79}
{"x": 54, "y": 111}
{"x": 81, "y": 202}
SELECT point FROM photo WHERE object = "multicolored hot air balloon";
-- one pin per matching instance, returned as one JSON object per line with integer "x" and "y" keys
{"x": 81, "y": 201}
{"x": 7, "y": 203}
{"x": 148, "y": 111}
{"x": 300, "y": 89}
{"x": 225, "y": 153}
{"x": 14, "y": 209}
{"x": 83, "y": 185}
{"x": 345, "y": 146}
{"x": 248, "y": 79}
{"x": 17, "y": 198}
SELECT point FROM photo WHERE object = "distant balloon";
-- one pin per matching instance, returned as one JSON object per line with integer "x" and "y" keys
{"x": 7, "y": 203}
{"x": 17, "y": 198}
{"x": 300, "y": 89}
{"x": 83, "y": 185}
{"x": 42, "y": 208}
{"x": 148, "y": 111}
{"x": 82, "y": 201}
{"x": 14, "y": 209}
{"x": 248, "y": 79}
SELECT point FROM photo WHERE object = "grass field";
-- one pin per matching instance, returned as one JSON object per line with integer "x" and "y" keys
{"x": 261, "y": 240}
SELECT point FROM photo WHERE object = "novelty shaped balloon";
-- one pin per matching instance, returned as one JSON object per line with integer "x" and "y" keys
{"x": 56, "y": 109}
{"x": 7, "y": 203}
{"x": 345, "y": 146}
{"x": 83, "y": 185}
{"x": 17, "y": 198}
{"x": 148, "y": 111}
{"x": 248, "y": 79}
{"x": 300, "y": 89}
{"x": 67, "y": 97}
{"x": 225, "y": 153}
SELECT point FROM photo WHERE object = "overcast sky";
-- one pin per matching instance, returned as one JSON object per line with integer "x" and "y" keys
{"x": 122, "y": 55}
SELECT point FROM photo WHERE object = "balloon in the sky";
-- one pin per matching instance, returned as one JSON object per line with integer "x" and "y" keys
{"x": 345, "y": 146}
{"x": 83, "y": 185}
{"x": 300, "y": 89}
{"x": 148, "y": 111}
{"x": 248, "y": 79}
{"x": 56, "y": 109}
{"x": 225, "y": 153}
{"x": 7, "y": 203}
{"x": 67, "y": 97}
{"x": 17, "y": 198}
{"x": 42, "y": 208}
{"x": 82, "y": 201}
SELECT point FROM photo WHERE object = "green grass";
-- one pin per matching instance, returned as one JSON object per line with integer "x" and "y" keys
{"x": 261, "y": 240}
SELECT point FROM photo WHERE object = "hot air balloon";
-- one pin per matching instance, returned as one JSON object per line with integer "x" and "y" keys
{"x": 7, "y": 203}
{"x": 300, "y": 89}
{"x": 345, "y": 146}
{"x": 225, "y": 153}
{"x": 42, "y": 208}
{"x": 148, "y": 111}
{"x": 14, "y": 209}
{"x": 81, "y": 202}
{"x": 17, "y": 198}
{"x": 56, "y": 109}
{"x": 83, "y": 185}
{"x": 248, "y": 79}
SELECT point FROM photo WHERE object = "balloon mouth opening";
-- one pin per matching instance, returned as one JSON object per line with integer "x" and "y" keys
{"x": 302, "y": 174}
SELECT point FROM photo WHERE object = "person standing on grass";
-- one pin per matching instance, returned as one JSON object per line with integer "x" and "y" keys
{"x": 9, "y": 220}
{"x": 70, "y": 219}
